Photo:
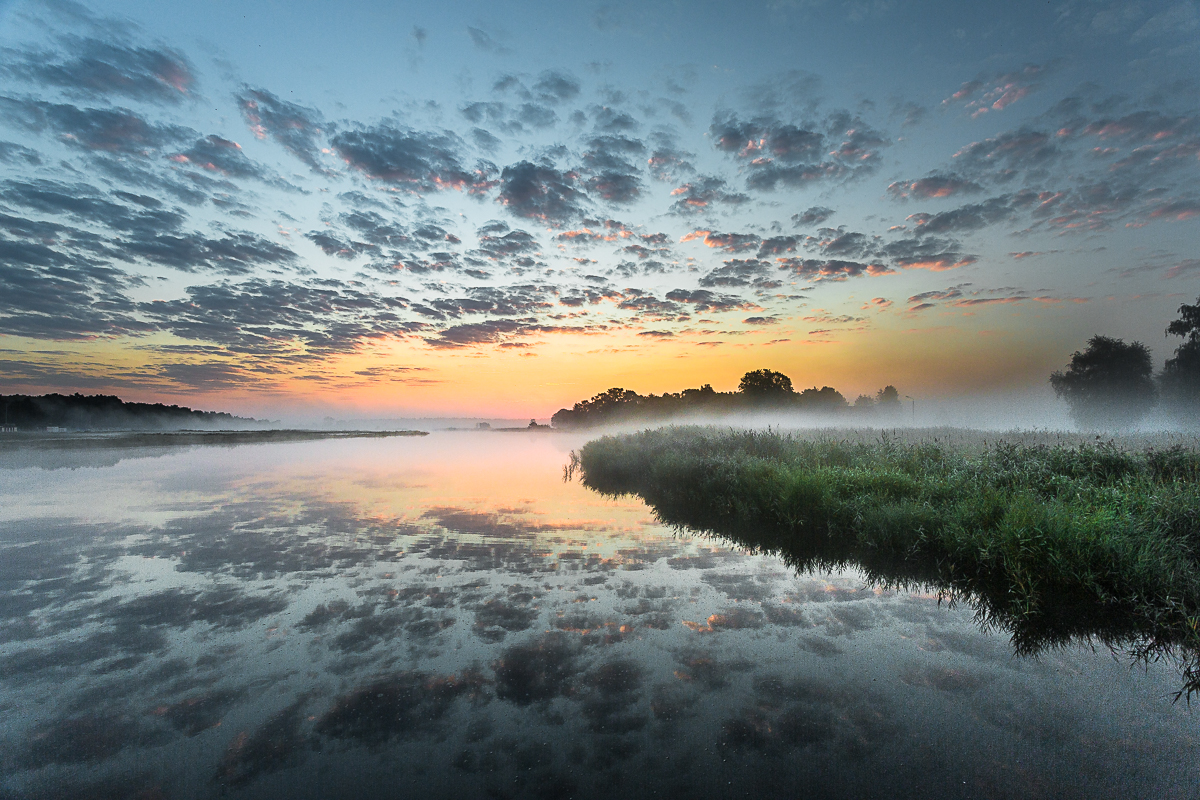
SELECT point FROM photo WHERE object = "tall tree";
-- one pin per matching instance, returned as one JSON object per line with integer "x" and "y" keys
{"x": 766, "y": 386}
{"x": 1180, "y": 379}
{"x": 888, "y": 398}
{"x": 1109, "y": 385}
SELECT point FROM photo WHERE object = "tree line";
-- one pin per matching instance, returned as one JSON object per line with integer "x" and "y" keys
{"x": 105, "y": 412}
{"x": 759, "y": 390}
{"x": 1111, "y": 384}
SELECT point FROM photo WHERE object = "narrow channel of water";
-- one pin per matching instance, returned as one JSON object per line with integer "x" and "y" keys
{"x": 445, "y": 617}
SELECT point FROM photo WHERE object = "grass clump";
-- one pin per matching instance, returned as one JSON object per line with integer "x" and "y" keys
{"x": 1053, "y": 543}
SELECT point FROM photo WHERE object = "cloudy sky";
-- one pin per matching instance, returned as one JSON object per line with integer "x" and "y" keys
{"x": 501, "y": 208}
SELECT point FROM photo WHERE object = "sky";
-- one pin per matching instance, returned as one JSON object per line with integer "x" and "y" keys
{"x": 502, "y": 208}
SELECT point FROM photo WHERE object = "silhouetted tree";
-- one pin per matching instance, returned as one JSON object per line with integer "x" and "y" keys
{"x": 765, "y": 386}
{"x": 864, "y": 401}
{"x": 824, "y": 399}
{"x": 1109, "y": 385}
{"x": 99, "y": 412}
{"x": 1180, "y": 379}
{"x": 888, "y": 398}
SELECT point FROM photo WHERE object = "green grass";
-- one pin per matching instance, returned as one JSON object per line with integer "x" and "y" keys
{"x": 1052, "y": 543}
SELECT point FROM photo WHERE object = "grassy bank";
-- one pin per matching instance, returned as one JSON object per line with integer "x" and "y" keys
{"x": 1053, "y": 543}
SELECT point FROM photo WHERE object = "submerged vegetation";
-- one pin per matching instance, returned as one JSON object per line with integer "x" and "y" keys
{"x": 1052, "y": 543}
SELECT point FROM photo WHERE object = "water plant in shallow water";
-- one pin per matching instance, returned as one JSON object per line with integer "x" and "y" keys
{"x": 1052, "y": 543}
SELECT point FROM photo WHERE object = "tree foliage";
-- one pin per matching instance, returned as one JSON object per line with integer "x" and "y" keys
{"x": 105, "y": 412}
{"x": 1109, "y": 385}
{"x": 1180, "y": 379}
{"x": 759, "y": 389}
{"x": 765, "y": 384}
{"x": 888, "y": 398}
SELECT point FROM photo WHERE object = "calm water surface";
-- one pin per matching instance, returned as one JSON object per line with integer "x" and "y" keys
{"x": 444, "y": 617}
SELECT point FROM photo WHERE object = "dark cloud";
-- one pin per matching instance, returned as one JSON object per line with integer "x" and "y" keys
{"x": 298, "y": 129}
{"x": 514, "y": 121}
{"x": 484, "y": 140}
{"x": 615, "y": 187}
{"x": 482, "y": 40}
{"x": 376, "y": 229}
{"x": 1001, "y": 156}
{"x": 225, "y": 157}
{"x": 499, "y": 244}
{"x": 813, "y": 216}
{"x": 140, "y": 229}
{"x": 926, "y": 300}
{"x": 479, "y": 112}
{"x": 839, "y": 242}
{"x": 972, "y": 217}
{"x": 539, "y": 191}
{"x": 49, "y": 294}
{"x": 741, "y": 272}
{"x": 608, "y": 230}
{"x": 88, "y": 205}
{"x": 703, "y": 194}
{"x": 206, "y": 375}
{"x": 553, "y": 86}
{"x": 613, "y": 176}
{"x": 910, "y": 114}
{"x": 107, "y": 130}
{"x": 500, "y": 331}
{"x": 933, "y": 186}
{"x": 1177, "y": 209}
{"x": 194, "y": 188}
{"x": 729, "y": 242}
{"x": 816, "y": 269}
{"x": 574, "y": 298}
{"x": 670, "y": 164}
{"x": 777, "y": 153}
{"x": 777, "y": 245}
{"x": 367, "y": 232}
{"x": 88, "y": 67}
{"x": 536, "y": 116}
{"x": 508, "y": 301}
{"x": 646, "y": 305}
{"x": 927, "y": 252}
{"x": 767, "y": 138}
{"x": 997, "y": 92}
{"x": 279, "y": 320}
{"x": 703, "y": 300}
{"x": 233, "y": 253}
{"x": 418, "y": 160}
{"x": 11, "y": 153}
{"x": 612, "y": 120}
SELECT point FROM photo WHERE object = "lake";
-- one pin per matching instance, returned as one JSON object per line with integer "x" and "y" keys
{"x": 446, "y": 617}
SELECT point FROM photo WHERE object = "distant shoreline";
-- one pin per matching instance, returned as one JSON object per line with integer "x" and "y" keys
{"x": 121, "y": 439}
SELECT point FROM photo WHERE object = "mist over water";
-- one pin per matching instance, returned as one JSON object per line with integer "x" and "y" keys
{"x": 446, "y": 617}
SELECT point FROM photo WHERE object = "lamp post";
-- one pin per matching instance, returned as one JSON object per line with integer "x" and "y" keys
{"x": 914, "y": 406}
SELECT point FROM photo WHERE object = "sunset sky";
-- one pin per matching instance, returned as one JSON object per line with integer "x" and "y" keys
{"x": 501, "y": 208}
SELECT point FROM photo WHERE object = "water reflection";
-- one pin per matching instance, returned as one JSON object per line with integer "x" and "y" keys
{"x": 445, "y": 617}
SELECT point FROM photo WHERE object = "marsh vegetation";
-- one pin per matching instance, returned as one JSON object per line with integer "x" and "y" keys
{"x": 1054, "y": 541}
